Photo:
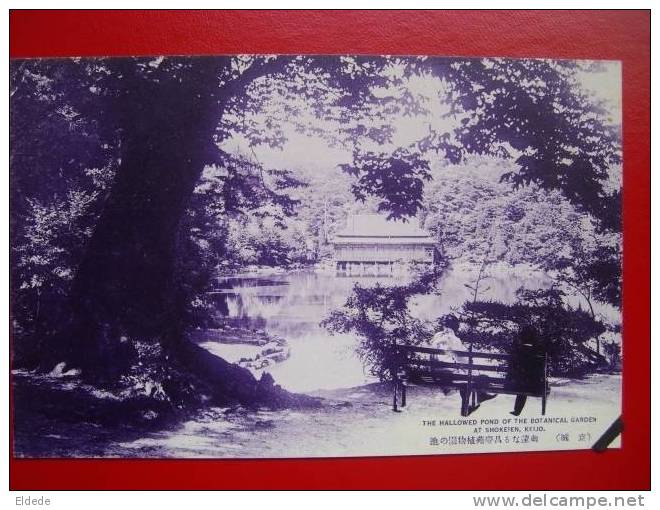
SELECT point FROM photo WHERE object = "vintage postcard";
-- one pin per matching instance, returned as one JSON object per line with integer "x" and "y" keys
{"x": 267, "y": 256}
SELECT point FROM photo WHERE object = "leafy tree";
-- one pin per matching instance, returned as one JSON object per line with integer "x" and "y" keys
{"x": 591, "y": 268}
{"x": 535, "y": 113}
{"x": 468, "y": 209}
{"x": 532, "y": 113}
{"x": 156, "y": 124}
{"x": 562, "y": 330}
{"x": 45, "y": 258}
{"x": 322, "y": 212}
{"x": 62, "y": 162}
{"x": 166, "y": 118}
{"x": 398, "y": 180}
{"x": 380, "y": 316}
{"x": 60, "y": 136}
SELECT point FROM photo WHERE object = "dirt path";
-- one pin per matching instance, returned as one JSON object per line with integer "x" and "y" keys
{"x": 354, "y": 422}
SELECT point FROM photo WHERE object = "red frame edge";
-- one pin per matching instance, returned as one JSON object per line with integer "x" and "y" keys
{"x": 612, "y": 35}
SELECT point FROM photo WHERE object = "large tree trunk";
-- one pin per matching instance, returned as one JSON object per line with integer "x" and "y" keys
{"x": 124, "y": 288}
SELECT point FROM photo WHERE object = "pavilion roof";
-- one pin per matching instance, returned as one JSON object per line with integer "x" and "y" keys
{"x": 377, "y": 226}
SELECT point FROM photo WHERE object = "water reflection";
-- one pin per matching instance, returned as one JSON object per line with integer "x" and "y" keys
{"x": 292, "y": 305}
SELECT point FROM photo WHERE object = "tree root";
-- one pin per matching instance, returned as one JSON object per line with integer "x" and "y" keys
{"x": 230, "y": 383}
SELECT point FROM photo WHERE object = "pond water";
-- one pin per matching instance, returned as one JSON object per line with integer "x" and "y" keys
{"x": 292, "y": 305}
{"x": 356, "y": 418}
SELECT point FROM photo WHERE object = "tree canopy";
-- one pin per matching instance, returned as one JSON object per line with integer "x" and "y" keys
{"x": 114, "y": 149}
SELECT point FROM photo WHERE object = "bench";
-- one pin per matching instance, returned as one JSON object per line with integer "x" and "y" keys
{"x": 484, "y": 372}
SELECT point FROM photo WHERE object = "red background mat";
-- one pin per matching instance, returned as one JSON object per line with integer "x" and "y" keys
{"x": 612, "y": 35}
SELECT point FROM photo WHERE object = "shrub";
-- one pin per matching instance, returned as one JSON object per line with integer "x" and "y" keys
{"x": 380, "y": 316}
{"x": 562, "y": 330}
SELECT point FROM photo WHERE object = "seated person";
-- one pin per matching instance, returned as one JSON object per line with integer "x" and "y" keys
{"x": 447, "y": 340}
{"x": 526, "y": 368}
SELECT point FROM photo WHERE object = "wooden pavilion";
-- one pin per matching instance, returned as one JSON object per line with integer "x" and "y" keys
{"x": 372, "y": 245}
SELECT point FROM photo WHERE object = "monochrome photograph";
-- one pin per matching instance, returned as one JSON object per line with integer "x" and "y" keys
{"x": 272, "y": 256}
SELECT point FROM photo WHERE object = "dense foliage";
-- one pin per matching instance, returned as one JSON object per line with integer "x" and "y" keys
{"x": 127, "y": 197}
{"x": 380, "y": 316}
{"x": 471, "y": 211}
{"x": 536, "y": 113}
{"x": 562, "y": 330}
